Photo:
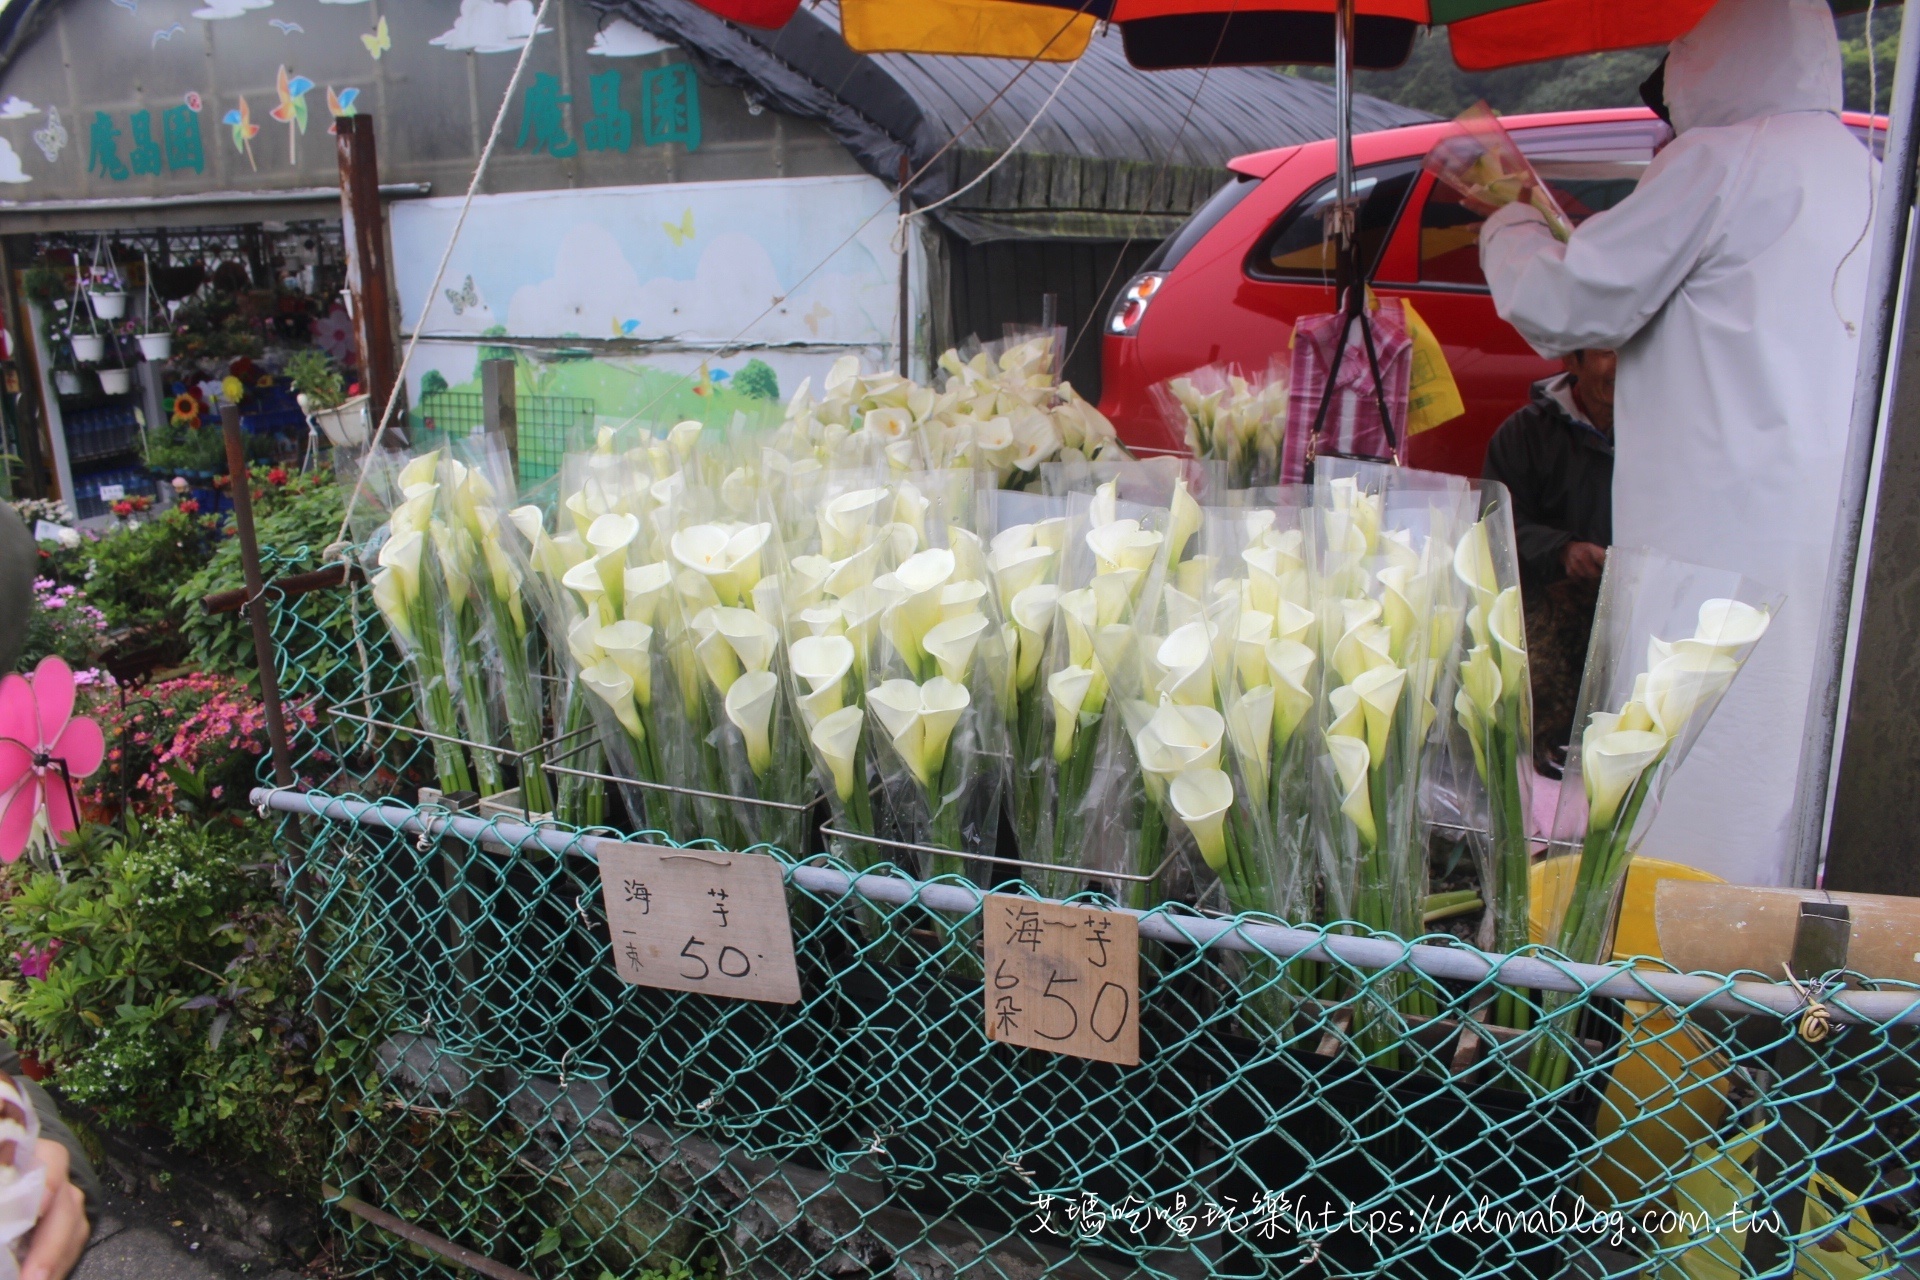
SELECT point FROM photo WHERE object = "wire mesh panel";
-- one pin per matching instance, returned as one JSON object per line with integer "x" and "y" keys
{"x": 546, "y": 423}
{"x": 506, "y": 1090}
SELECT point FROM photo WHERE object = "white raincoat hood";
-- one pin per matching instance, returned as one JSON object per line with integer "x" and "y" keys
{"x": 1753, "y": 58}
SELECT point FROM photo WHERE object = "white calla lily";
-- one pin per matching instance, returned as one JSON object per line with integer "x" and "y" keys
{"x": 1201, "y": 798}
{"x": 753, "y": 640}
{"x": 1032, "y": 612}
{"x": 1068, "y": 688}
{"x": 1379, "y": 692}
{"x": 390, "y": 597}
{"x": 1611, "y": 761}
{"x": 615, "y": 688}
{"x": 1186, "y": 658}
{"x": 1015, "y": 570}
{"x": 645, "y": 587}
{"x": 837, "y": 738}
{"x": 1351, "y": 767}
{"x": 1730, "y": 625}
{"x": 401, "y": 554}
{"x": 1290, "y": 663}
{"x": 749, "y": 705}
{"x": 952, "y": 644}
{"x": 920, "y": 719}
{"x": 1250, "y": 729}
{"x": 629, "y": 646}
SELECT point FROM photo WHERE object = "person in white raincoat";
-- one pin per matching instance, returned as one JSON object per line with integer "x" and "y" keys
{"x": 1731, "y": 286}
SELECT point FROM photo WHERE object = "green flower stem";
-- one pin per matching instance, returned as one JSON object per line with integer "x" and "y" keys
{"x": 475, "y": 707}
{"x": 959, "y": 939}
{"x": 523, "y": 708}
{"x": 1512, "y": 861}
{"x": 1605, "y": 855}
{"x": 436, "y": 709}
{"x": 574, "y": 804}
{"x": 1070, "y": 789}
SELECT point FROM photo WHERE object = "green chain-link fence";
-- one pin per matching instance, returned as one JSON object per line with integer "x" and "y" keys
{"x": 546, "y": 425}
{"x": 506, "y": 1091}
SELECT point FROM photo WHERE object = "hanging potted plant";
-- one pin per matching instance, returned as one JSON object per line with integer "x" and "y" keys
{"x": 321, "y": 392}
{"x": 105, "y": 294}
{"x": 118, "y": 380}
{"x": 156, "y": 344}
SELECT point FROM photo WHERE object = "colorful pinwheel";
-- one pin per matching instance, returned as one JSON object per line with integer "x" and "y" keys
{"x": 44, "y": 752}
{"x": 244, "y": 130}
{"x": 340, "y": 106}
{"x": 292, "y": 111}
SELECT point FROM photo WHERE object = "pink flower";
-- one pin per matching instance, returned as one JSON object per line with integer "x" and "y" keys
{"x": 37, "y": 962}
{"x": 44, "y": 749}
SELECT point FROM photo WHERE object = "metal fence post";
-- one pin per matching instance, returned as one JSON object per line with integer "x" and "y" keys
{"x": 256, "y": 587}
{"x": 1886, "y": 272}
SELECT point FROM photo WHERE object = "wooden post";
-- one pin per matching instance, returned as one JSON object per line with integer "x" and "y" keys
{"x": 499, "y": 407}
{"x": 256, "y": 612}
{"x": 363, "y": 222}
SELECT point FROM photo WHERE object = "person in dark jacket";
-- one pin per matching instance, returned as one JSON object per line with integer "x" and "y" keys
{"x": 1555, "y": 456}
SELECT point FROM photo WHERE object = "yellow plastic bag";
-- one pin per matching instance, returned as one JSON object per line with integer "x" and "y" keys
{"x": 1719, "y": 1183}
{"x": 1433, "y": 399}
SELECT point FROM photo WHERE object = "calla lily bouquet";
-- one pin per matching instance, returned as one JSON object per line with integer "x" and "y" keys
{"x": 1627, "y": 757}
{"x": 1001, "y": 410}
{"x": 1493, "y": 709}
{"x": 1232, "y": 418}
{"x": 422, "y": 585}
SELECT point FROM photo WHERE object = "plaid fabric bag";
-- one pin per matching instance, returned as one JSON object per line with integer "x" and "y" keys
{"x": 1348, "y": 422}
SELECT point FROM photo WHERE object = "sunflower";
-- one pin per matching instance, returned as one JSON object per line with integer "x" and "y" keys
{"x": 186, "y": 411}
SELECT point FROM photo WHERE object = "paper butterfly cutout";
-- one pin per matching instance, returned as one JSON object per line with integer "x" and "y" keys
{"x": 44, "y": 750}
{"x": 682, "y": 233}
{"x": 379, "y": 42}
{"x": 51, "y": 140}
{"x": 463, "y": 298}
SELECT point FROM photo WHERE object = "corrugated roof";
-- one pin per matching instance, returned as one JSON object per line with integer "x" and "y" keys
{"x": 1114, "y": 139}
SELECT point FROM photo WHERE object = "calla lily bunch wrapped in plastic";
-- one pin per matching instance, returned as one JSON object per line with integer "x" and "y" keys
{"x": 1002, "y": 411}
{"x": 1228, "y": 417}
{"x": 1493, "y": 709}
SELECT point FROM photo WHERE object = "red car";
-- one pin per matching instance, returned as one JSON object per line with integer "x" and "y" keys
{"x": 1228, "y": 286}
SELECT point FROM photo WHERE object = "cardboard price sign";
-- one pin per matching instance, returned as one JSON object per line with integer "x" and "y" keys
{"x": 695, "y": 920}
{"x": 1065, "y": 979}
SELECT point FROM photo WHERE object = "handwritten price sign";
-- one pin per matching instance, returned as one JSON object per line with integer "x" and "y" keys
{"x": 1065, "y": 979}
{"x": 694, "y": 920}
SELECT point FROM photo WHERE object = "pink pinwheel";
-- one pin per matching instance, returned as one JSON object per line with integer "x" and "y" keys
{"x": 44, "y": 752}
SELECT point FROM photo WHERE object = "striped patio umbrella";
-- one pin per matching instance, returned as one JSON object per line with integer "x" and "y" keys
{"x": 1162, "y": 34}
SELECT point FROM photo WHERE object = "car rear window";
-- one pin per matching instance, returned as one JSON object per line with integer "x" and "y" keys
{"x": 1204, "y": 219}
{"x": 1588, "y": 167}
{"x": 1296, "y": 247}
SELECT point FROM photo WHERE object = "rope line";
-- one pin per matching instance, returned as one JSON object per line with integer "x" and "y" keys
{"x": 446, "y": 256}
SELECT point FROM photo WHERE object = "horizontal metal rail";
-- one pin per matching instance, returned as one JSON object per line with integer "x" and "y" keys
{"x": 1449, "y": 963}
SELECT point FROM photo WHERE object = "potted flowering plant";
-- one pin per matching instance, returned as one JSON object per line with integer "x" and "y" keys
{"x": 322, "y": 393}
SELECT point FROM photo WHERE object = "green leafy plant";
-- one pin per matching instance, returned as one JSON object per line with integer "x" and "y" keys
{"x": 314, "y": 376}
{"x": 158, "y": 977}
{"x": 295, "y": 511}
{"x": 133, "y": 571}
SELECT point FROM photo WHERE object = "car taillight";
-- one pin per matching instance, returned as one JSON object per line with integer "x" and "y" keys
{"x": 1130, "y": 308}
